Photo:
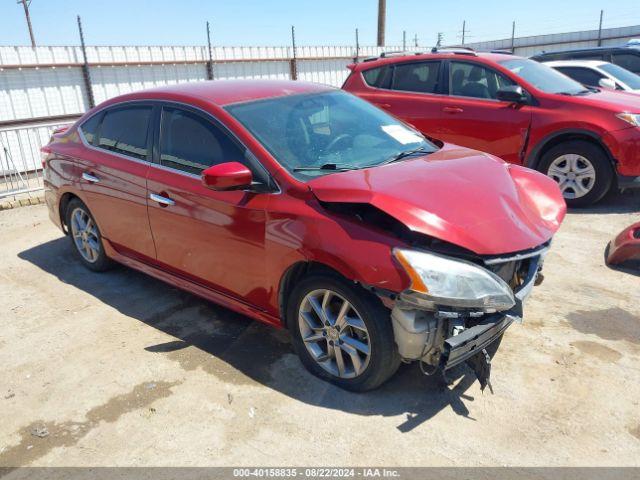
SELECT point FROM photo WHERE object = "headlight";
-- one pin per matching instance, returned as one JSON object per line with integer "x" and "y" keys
{"x": 455, "y": 283}
{"x": 632, "y": 118}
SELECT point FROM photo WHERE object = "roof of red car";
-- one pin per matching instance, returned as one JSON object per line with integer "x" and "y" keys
{"x": 225, "y": 92}
{"x": 491, "y": 57}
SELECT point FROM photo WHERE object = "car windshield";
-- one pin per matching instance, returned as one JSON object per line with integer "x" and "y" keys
{"x": 625, "y": 76}
{"x": 544, "y": 77}
{"x": 321, "y": 133}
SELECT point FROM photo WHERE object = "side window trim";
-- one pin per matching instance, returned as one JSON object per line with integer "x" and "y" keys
{"x": 266, "y": 178}
{"x": 103, "y": 112}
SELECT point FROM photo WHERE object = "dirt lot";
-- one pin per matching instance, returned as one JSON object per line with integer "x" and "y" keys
{"x": 121, "y": 369}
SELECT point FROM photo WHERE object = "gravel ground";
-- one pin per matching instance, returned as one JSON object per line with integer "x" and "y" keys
{"x": 121, "y": 369}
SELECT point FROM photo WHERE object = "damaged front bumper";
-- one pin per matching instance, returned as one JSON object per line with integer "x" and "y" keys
{"x": 443, "y": 338}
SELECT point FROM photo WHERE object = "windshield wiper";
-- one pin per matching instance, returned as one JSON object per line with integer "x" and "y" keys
{"x": 579, "y": 92}
{"x": 327, "y": 166}
{"x": 403, "y": 154}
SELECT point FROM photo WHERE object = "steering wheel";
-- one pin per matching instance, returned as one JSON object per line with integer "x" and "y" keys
{"x": 340, "y": 138}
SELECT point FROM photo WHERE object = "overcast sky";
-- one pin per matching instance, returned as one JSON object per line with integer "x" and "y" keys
{"x": 318, "y": 22}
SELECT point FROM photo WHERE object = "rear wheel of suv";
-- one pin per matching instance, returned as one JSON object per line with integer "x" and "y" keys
{"x": 582, "y": 170}
{"x": 342, "y": 333}
{"x": 85, "y": 237}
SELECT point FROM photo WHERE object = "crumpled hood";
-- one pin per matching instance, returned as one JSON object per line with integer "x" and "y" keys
{"x": 458, "y": 195}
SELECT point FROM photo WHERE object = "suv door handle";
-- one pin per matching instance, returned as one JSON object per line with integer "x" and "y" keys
{"x": 163, "y": 201}
{"x": 90, "y": 177}
{"x": 452, "y": 110}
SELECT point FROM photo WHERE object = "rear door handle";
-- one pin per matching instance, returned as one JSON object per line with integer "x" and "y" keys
{"x": 167, "y": 202}
{"x": 90, "y": 177}
{"x": 383, "y": 105}
{"x": 452, "y": 110}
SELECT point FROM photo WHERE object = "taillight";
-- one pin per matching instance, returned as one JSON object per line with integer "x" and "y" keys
{"x": 44, "y": 154}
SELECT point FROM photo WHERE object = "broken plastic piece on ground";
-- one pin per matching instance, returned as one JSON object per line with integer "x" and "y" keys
{"x": 480, "y": 363}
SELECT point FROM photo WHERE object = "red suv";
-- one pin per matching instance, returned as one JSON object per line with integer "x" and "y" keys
{"x": 305, "y": 207}
{"x": 524, "y": 112}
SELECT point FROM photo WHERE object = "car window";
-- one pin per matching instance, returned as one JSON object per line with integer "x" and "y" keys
{"x": 627, "y": 60}
{"x": 191, "y": 143}
{"x": 125, "y": 131}
{"x": 587, "y": 56}
{"x": 378, "y": 77}
{"x": 474, "y": 80}
{"x": 631, "y": 79}
{"x": 417, "y": 77}
{"x": 90, "y": 127}
{"x": 543, "y": 77}
{"x": 586, "y": 76}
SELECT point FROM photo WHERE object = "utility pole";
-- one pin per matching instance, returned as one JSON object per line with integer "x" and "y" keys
{"x": 464, "y": 30}
{"x": 415, "y": 40}
{"x": 404, "y": 40}
{"x": 86, "y": 75}
{"x": 355, "y": 60}
{"x": 440, "y": 38}
{"x": 26, "y": 4}
{"x": 600, "y": 29}
{"x": 210, "y": 61}
{"x": 382, "y": 19}
{"x": 513, "y": 36}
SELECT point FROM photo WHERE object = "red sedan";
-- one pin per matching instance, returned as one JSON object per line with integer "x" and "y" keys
{"x": 305, "y": 207}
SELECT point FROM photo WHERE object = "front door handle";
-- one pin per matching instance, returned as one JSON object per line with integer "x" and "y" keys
{"x": 164, "y": 201}
{"x": 90, "y": 177}
{"x": 452, "y": 110}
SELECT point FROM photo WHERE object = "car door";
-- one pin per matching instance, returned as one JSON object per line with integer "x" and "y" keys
{"x": 410, "y": 91}
{"x": 113, "y": 175}
{"x": 214, "y": 238}
{"x": 473, "y": 117}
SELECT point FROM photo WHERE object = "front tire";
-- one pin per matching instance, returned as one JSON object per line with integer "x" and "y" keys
{"x": 85, "y": 236}
{"x": 581, "y": 169}
{"x": 342, "y": 333}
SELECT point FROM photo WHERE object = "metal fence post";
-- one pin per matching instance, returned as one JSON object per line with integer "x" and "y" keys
{"x": 85, "y": 68}
{"x": 293, "y": 63}
{"x": 210, "y": 61}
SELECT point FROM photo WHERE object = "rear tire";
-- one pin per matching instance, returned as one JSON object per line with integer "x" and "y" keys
{"x": 85, "y": 237}
{"x": 582, "y": 170}
{"x": 365, "y": 323}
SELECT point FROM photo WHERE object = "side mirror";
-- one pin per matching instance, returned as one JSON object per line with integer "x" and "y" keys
{"x": 607, "y": 83}
{"x": 512, "y": 94}
{"x": 227, "y": 176}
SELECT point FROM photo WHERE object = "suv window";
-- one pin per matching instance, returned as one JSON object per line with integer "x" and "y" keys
{"x": 474, "y": 80}
{"x": 627, "y": 60}
{"x": 125, "y": 131}
{"x": 587, "y": 56}
{"x": 90, "y": 127}
{"x": 417, "y": 77}
{"x": 585, "y": 76}
{"x": 191, "y": 143}
{"x": 378, "y": 77}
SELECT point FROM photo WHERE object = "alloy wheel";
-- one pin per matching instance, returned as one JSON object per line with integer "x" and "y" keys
{"x": 574, "y": 173}
{"x": 334, "y": 333}
{"x": 85, "y": 235}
